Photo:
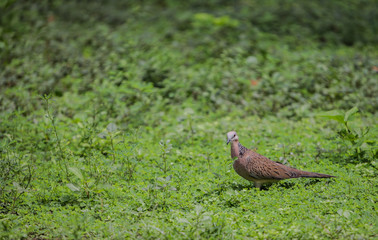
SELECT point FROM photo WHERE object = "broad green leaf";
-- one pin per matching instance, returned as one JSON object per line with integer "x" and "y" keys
{"x": 91, "y": 182}
{"x": 18, "y": 187}
{"x": 102, "y": 135}
{"x": 346, "y": 214}
{"x": 168, "y": 178}
{"x": 160, "y": 179}
{"x": 188, "y": 111}
{"x": 76, "y": 172}
{"x": 350, "y": 113}
{"x": 157, "y": 229}
{"x": 340, "y": 212}
{"x": 111, "y": 127}
{"x": 334, "y": 115}
{"x": 183, "y": 220}
{"x": 198, "y": 209}
{"x": 73, "y": 187}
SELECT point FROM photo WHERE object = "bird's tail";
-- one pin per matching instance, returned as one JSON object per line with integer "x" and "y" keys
{"x": 314, "y": 175}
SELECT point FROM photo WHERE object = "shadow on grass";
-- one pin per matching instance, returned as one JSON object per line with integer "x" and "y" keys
{"x": 224, "y": 187}
{"x": 344, "y": 156}
{"x": 265, "y": 187}
{"x": 282, "y": 184}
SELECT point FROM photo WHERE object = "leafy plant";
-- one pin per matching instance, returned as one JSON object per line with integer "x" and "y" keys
{"x": 208, "y": 20}
{"x": 130, "y": 154}
{"x": 111, "y": 132}
{"x": 166, "y": 148}
{"x": 52, "y": 118}
{"x": 16, "y": 175}
{"x": 86, "y": 185}
{"x": 164, "y": 185}
{"x": 355, "y": 138}
{"x": 200, "y": 224}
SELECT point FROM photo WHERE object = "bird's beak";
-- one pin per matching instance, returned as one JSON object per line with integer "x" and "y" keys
{"x": 228, "y": 141}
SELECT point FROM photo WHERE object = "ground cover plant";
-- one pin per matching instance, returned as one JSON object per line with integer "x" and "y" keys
{"x": 114, "y": 114}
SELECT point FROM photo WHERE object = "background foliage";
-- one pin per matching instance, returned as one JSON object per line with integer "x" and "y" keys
{"x": 113, "y": 117}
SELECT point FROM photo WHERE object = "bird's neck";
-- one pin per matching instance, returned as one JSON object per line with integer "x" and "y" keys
{"x": 242, "y": 149}
{"x": 235, "y": 149}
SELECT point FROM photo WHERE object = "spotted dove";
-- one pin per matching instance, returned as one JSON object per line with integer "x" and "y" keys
{"x": 259, "y": 169}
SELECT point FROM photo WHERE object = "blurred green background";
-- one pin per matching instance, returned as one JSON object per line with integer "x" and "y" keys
{"x": 284, "y": 58}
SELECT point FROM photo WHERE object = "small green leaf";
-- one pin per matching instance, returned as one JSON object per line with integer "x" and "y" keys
{"x": 334, "y": 115}
{"x": 350, "y": 113}
{"x": 198, "y": 209}
{"x": 73, "y": 187}
{"x": 340, "y": 212}
{"x": 111, "y": 127}
{"x": 183, "y": 220}
{"x": 91, "y": 182}
{"x": 206, "y": 218}
{"x": 343, "y": 213}
{"x": 160, "y": 179}
{"x": 102, "y": 135}
{"x": 18, "y": 187}
{"x": 346, "y": 214}
{"x": 76, "y": 172}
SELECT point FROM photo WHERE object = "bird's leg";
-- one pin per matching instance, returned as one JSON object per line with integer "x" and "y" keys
{"x": 258, "y": 185}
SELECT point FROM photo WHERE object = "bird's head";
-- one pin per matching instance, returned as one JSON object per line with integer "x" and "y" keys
{"x": 231, "y": 136}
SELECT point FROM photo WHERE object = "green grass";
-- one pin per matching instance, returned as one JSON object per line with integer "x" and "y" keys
{"x": 204, "y": 197}
{"x": 113, "y": 119}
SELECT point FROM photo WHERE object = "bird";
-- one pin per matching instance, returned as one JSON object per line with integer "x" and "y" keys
{"x": 260, "y": 169}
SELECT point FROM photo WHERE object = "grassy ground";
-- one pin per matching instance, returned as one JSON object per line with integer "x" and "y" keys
{"x": 113, "y": 119}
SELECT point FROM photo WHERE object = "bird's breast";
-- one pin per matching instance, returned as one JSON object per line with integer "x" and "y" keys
{"x": 241, "y": 169}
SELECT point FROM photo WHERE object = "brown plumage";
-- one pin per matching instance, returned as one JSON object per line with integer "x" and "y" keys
{"x": 259, "y": 169}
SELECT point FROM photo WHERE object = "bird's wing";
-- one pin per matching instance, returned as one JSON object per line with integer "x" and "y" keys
{"x": 261, "y": 167}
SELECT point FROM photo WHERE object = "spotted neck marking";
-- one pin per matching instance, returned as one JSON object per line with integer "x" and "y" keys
{"x": 242, "y": 149}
